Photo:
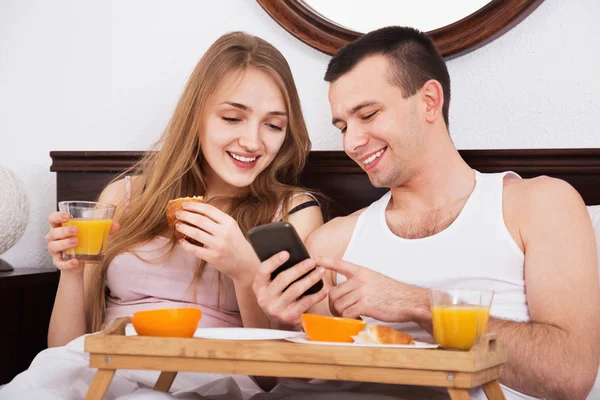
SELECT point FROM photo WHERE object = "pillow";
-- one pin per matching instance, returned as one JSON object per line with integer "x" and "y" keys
{"x": 594, "y": 212}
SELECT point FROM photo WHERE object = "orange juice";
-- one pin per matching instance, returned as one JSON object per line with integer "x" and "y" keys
{"x": 92, "y": 236}
{"x": 457, "y": 326}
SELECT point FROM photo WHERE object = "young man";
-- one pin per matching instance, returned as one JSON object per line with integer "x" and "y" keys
{"x": 442, "y": 224}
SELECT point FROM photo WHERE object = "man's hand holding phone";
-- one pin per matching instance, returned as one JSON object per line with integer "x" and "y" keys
{"x": 284, "y": 307}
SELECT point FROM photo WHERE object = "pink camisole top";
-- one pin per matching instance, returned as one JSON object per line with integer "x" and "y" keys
{"x": 148, "y": 276}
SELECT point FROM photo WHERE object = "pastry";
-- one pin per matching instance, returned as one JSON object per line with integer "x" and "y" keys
{"x": 378, "y": 334}
{"x": 176, "y": 205}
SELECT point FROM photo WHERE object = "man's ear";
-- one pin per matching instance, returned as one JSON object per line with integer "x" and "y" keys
{"x": 433, "y": 99}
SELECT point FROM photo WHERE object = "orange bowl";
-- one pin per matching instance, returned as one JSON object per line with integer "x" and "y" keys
{"x": 331, "y": 329}
{"x": 168, "y": 322}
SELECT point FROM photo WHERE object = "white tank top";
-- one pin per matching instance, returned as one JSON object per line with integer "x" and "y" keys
{"x": 476, "y": 251}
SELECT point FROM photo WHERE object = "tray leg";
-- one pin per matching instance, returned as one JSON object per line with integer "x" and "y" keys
{"x": 100, "y": 384}
{"x": 164, "y": 381}
{"x": 459, "y": 394}
{"x": 493, "y": 391}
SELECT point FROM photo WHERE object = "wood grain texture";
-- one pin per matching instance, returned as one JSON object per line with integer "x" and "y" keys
{"x": 116, "y": 327}
{"x": 164, "y": 381}
{"x": 461, "y": 37}
{"x": 458, "y": 394}
{"x": 480, "y": 358}
{"x": 83, "y": 175}
{"x": 100, "y": 384}
{"x": 493, "y": 390}
{"x": 291, "y": 369}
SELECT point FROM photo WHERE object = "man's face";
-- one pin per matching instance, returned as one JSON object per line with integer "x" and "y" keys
{"x": 383, "y": 132}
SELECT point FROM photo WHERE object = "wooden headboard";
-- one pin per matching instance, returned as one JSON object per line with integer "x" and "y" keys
{"x": 81, "y": 175}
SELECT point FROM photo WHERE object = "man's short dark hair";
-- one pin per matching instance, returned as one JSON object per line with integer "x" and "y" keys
{"x": 412, "y": 54}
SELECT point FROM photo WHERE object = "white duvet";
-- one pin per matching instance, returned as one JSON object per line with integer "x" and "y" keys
{"x": 63, "y": 373}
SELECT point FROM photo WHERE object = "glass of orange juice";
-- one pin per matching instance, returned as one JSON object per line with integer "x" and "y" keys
{"x": 459, "y": 316}
{"x": 93, "y": 221}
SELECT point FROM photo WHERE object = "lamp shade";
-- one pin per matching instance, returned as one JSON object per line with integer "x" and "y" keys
{"x": 14, "y": 209}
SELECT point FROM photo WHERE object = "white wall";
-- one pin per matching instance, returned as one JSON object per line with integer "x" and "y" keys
{"x": 105, "y": 75}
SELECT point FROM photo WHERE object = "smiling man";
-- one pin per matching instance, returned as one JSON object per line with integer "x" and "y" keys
{"x": 443, "y": 224}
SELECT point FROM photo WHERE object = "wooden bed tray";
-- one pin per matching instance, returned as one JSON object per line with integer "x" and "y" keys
{"x": 456, "y": 370}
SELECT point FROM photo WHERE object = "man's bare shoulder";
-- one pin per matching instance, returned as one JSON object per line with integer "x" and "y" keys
{"x": 332, "y": 238}
{"x": 533, "y": 201}
{"x": 544, "y": 189}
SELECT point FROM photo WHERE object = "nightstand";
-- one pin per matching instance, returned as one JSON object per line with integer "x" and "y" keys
{"x": 26, "y": 301}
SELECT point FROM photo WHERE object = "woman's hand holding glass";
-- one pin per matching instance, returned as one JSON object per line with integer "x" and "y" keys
{"x": 61, "y": 238}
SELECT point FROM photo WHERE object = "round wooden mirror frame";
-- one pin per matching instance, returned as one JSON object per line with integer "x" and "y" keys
{"x": 458, "y": 38}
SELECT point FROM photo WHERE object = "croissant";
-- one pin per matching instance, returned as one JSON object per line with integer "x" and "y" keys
{"x": 378, "y": 334}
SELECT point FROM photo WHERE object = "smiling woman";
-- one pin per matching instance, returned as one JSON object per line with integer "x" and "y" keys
{"x": 243, "y": 132}
{"x": 237, "y": 138}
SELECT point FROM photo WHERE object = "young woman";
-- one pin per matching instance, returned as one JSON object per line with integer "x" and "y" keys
{"x": 238, "y": 138}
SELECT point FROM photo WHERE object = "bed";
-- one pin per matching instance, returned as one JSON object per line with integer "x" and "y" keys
{"x": 82, "y": 174}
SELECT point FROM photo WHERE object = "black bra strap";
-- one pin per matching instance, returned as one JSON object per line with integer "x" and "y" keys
{"x": 306, "y": 204}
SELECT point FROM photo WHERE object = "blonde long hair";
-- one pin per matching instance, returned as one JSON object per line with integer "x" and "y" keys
{"x": 176, "y": 169}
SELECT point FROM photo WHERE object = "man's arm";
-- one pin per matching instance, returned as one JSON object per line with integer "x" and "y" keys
{"x": 331, "y": 240}
{"x": 556, "y": 354}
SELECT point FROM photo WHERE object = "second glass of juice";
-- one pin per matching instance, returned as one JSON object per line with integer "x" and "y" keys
{"x": 93, "y": 221}
{"x": 459, "y": 316}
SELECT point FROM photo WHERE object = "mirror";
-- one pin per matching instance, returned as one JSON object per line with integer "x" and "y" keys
{"x": 358, "y": 15}
{"x": 456, "y": 27}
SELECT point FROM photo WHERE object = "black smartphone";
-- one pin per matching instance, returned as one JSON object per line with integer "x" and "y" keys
{"x": 270, "y": 239}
